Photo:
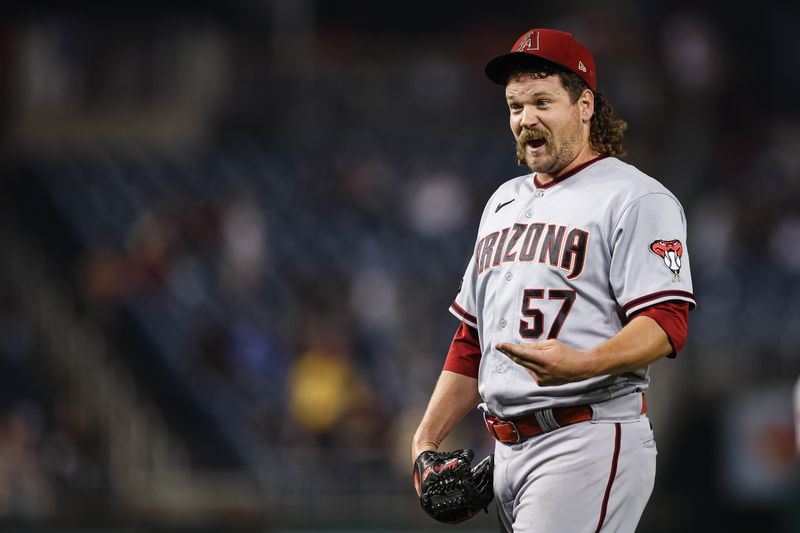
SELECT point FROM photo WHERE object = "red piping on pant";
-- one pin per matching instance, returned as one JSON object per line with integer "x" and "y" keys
{"x": 611, "y": 476}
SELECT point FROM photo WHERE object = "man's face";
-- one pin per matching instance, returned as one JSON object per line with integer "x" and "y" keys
{"x": 550, "y": 130}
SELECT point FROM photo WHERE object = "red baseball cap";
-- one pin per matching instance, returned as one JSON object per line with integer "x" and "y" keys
{"x": 551, "y": 46}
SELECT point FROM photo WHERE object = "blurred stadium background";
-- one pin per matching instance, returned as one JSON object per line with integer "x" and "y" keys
{"x": 230, "y": 232}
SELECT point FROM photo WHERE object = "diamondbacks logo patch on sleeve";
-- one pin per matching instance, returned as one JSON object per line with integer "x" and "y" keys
{"x": 670, "y": 252}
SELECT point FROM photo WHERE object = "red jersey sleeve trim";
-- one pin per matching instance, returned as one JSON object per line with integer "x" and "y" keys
{"x": 464, "y": 355}
{"x": 462, "y": 314}
{"x": 637, "y": 304}
{"x": 673, "y": 317}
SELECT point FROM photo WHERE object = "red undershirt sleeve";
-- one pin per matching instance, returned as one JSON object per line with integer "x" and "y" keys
{"x": 464, "y": 355}
{"x": 673, "y": 317}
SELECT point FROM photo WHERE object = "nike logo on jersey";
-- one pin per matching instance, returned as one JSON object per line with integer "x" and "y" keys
{"x": 501, "y": 206}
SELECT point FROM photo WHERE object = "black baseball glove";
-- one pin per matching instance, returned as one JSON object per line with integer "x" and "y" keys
{"x": 449, "y": 489}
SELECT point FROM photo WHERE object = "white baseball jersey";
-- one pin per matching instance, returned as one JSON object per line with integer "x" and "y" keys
{"x": 573, "y": 259}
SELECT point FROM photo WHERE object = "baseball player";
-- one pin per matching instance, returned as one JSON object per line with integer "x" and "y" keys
{"x": 579, "y": 280}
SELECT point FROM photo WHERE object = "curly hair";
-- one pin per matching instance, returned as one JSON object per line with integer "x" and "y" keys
{"x": 605, "y": 128}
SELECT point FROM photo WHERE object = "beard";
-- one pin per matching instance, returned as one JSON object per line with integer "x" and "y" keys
{"x": 557, "y": 153}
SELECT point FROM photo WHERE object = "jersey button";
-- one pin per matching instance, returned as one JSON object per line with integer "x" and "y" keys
{"x": 539, "y": 194}
{"x": 503, "y": 322}
{"x": 509, "y": 275}
{"x": 529, "y": 214}
{"x": 500, "y": 369}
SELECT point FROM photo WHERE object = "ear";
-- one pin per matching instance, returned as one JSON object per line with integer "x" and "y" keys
{"x": 586, "y": 105}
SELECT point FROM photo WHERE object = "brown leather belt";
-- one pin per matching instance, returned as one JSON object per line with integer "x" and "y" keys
{"x": 516, "y": 430}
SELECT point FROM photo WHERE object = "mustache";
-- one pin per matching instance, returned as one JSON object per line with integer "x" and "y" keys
{"x": 527, "y": 135}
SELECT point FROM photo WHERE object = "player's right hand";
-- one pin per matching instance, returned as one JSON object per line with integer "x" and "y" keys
{"x": 449, "y": 488}
{"x": 418, "y": 448}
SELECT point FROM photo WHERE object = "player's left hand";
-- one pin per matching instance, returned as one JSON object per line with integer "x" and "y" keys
{"x": 550, "y": 362}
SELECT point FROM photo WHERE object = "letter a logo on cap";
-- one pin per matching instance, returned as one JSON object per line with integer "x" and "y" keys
{"x": 529, "y": 42}
{"x": 581, "y": 66}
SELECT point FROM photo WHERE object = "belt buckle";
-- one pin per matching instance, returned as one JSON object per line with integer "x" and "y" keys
{"x": 491, "y": 422}
{"x": 516, "y": 431}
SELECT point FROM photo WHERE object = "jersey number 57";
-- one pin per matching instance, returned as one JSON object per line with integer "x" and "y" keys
{"x": 534, "y": 326}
